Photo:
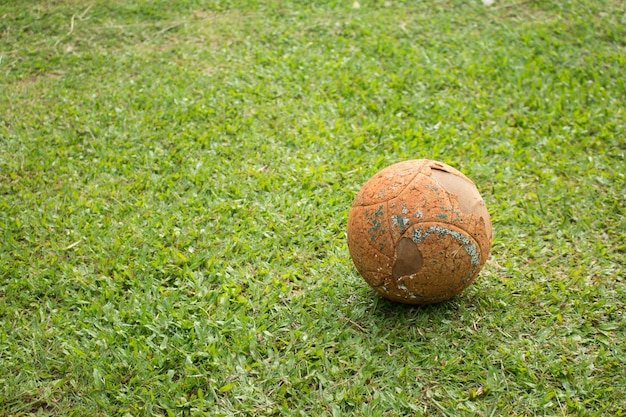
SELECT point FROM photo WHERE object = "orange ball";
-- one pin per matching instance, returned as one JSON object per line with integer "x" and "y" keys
{"x": 419, "y": 232}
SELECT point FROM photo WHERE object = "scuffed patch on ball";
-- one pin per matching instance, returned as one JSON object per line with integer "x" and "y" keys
{"x": 408, "y": 259}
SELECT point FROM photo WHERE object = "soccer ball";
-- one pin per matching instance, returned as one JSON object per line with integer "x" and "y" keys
{"x": 419, "y": 232}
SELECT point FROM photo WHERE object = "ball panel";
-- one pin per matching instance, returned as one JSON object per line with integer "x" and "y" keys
{"x": 433, "y": 196}
{"x": 388, "y": 183}
{"x": 467, "y": 196}
{"x": 464, "y": 194}
{"x": 369, "y": 242}
{"x": 452, "y": 264}
{"x": 370, "y": 225}
{"x": 422, "y": 200}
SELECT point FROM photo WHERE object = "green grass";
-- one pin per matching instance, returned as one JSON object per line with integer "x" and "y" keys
{"x": 175, "y": 180}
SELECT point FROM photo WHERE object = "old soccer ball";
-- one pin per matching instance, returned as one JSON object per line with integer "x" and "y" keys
{"x": 419, "y": 232}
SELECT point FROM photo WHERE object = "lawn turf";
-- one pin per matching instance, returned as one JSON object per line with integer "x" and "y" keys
{"x": 175, "y": 179}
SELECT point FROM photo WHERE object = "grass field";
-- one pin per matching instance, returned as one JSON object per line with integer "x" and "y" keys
{"x": 175, "y": 180}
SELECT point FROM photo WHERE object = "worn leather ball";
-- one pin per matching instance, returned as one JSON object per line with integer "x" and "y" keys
{"x": 419, "y": 232}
